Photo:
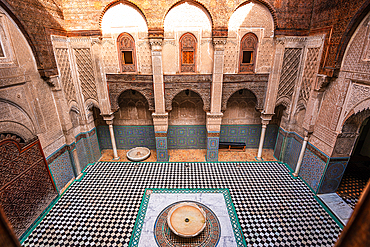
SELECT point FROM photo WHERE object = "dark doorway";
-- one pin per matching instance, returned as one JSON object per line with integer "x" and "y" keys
{"x": 358, "y": 169}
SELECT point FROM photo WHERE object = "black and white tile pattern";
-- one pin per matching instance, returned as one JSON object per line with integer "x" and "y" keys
{"x": 273, "y": 208}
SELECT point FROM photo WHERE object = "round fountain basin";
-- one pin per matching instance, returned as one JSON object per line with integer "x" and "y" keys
{"x": 138, "y": 153}
{"x": 186, "y": 219}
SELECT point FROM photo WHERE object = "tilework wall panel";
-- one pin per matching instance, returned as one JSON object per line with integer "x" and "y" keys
{"x": 62, "y": 171}
{"x": 81, "y": 153}
{"x": 250, "y": 134}
{"x": 333, "y": 175}
{"x": 88, "y": 150}
{"x": 312, "y": 169}
{"x": 161, "y": 146}
{"x": 127, "y": 137}
{"x": 278, "y": 146}
{"x": 104, "y": 137}
{"x": 212, "y": 148}
{"x": 187, "y": 137}
{"x": 291, "y": 152}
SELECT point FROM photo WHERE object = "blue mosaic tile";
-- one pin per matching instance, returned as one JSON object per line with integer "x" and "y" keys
{"x": 249, "y": 134}
{"x": 61, "y": 170}
{"x": 213, "y": 143}
{"x": 291, "y": 154}
{"x": 187, "y": 137}
{"x": 162, "y": 155}
{"x": 212, "y": 155}
{"x": 333, "y": 175}
{"x": 88, "y": 150}
{"x": 161, "y": 142}
{"x": 127, "y": 137}
{"x": 312, "y": 169}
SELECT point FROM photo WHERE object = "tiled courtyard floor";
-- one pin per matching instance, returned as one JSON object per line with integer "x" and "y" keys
{"x": 100, "y": 210}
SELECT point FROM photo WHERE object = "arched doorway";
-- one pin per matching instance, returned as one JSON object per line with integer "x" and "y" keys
{"x": 133, "y": 123}
{"x": 241, "y": 121}
{"x": 357, "y": 172}
{"x": 187, "y": 122}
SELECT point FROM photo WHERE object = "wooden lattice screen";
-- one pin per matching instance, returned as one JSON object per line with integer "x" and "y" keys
{"x": 26, "y": 186}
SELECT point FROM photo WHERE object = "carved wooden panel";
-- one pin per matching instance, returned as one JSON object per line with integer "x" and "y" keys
{"x": 188, "y": 45}
{"x": 65, "y": 73}
{"x": 248, "y": 53}
{"x": 289, "y": 72}
{"x": 26, "y": 187}
{"x": 126, "y": 52}
{"x": 118, "y": 83}
{"x": 86, "y": 73}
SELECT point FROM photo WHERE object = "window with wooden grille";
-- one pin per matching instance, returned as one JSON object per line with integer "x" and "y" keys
{"x": 188, "y": 44}
{"x": 248, "y": 52}
{"x": 126, "y": 50}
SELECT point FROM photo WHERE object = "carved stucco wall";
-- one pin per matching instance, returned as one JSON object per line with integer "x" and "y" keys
{"x": 346, "y": 96}
{"x": 200, "y": 84}
{"x": 187, "y": 109}
{"x": 184, "y": 18}
{"x": 133, "y": 109}
{"x": 26, "y": 99}
{"x": 256, "y": 18}
{"x": 241, "y": 109}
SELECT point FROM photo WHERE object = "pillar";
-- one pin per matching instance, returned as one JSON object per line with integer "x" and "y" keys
{"x": 266, "y": 118}
{"x": 160, "y": 116}
{"x": 109, "y": 120}
{"x": 65, "y": 121}
{"x": 214, "y": 117}
{"x": 301, "y": 154}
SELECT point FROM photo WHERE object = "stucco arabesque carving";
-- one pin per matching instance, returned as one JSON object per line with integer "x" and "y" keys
{"x": 202, "y": 89}
{"x": 258, "y": 89}
{"x": 116, "y": 89}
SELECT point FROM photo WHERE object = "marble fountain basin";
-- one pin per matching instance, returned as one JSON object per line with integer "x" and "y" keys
{"x": 186, "y": 219}
{"x": 138, "y": 153}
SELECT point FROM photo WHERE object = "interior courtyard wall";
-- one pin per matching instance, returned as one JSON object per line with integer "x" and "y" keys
{"x": 187, "y": 18}
{"x": 250, "y": 18}
{"x": 187, "y": 122}
{"x": 350, "y": 98}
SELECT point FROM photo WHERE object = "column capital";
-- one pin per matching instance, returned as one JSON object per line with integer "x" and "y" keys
{"x": 108, "y": 118}
{"x": 219, "y": 43}
{"x": 156, "y": 43}
{"x": 266, "y": 118}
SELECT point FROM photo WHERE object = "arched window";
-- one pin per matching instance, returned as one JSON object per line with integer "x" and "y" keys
{"x": 126, "y": 52}
{"x": 248, "y": 52}
{"x": 188, "y": 44}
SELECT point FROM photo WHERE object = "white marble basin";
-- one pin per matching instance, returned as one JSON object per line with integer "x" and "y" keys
{"x": 138, "y": 153}
{"x": 186, "y": 219}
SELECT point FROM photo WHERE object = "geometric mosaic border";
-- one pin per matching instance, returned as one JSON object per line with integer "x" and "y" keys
{"x": 135, "y": 237}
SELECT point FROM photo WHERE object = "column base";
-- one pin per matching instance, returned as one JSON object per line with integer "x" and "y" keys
{"x": 295, "y": 174}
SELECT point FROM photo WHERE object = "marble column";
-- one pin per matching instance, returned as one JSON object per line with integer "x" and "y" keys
{"x": 214, "y": 117}
{"x": 160, "y": 116}
{"x": 109, "y": 120}
{"x": 266, "y": 118}
{"x": 301, "y": 155}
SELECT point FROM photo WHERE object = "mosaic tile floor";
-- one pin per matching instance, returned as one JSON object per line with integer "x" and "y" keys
{"x": 100, "y": 210}
{"x": 353, "y": 183}
{"x": 196, "y": 155}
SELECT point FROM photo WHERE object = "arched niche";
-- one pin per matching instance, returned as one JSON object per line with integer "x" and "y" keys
{"x": 187, "y": 17}
{"x": 125, "y": 20}
{"x": 187, "y": 109}
{"x": 15, "y": 120}
{"x": 255, "y": 18}
{"x": 241, "y": 109}
{"x": 133, "y": 109}
{"x": 350, "y": 131}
